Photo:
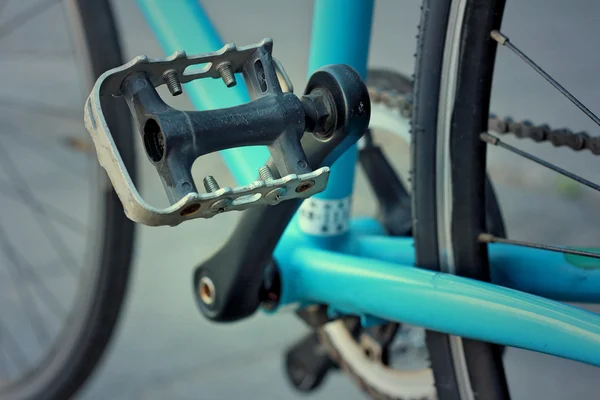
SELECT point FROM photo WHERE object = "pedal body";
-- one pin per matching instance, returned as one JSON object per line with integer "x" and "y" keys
{"x": 173, "y": 139}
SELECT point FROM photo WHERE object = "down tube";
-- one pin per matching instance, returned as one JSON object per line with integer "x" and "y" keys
{"x": 441, "y": 302}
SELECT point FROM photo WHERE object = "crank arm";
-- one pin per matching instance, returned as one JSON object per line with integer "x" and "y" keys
{"x": 228, "y": 285}
{"x": 173, "y": 138}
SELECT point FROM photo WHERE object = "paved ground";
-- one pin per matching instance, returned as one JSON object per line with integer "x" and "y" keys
{"x": 164, "y": 349}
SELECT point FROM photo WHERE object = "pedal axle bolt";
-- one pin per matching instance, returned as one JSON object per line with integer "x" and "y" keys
{"x": 227, "y": 74}
{"x": 265, "y": 173}
{"x": 210, "y": 184}
{"x": 172, "y": 80}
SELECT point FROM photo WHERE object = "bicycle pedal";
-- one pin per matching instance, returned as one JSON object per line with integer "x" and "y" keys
{"x": 173, "y": 139}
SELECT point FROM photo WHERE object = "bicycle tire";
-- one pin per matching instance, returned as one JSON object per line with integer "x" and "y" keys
{"x": 462, "y": 368}
{"x": 382, "y": 383}
{"x": 83, "y": 341}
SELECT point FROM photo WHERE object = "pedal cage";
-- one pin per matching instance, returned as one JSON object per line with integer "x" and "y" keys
{"x": 173, "y": 138}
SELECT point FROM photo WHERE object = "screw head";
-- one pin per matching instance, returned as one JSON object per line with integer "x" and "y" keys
{"x": 275, "y": 195}
{"x": 220, "y": 206}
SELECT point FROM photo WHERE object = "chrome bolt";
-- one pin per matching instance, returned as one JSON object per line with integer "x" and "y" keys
{"x": 275, "y": 195}
{"x": 172, "y": 80}
{"x": 265, "y": 173}
{"x": 210, "y": 184}
{"x": 220, "y": 206}
{"x": 227, "y": 74}
{"x": 207, "y": 290}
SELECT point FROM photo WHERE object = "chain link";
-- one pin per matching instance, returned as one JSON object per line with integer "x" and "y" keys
{"x": 524, "y": 130}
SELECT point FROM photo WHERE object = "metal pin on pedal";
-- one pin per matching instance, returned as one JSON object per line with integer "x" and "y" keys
{"x": 274, "y": 196}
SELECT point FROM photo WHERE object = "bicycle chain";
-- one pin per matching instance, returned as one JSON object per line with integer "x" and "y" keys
{"x": 523, "y": 130}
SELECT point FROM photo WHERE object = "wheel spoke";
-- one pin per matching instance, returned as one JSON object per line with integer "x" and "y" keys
{"x": 27, "y": 15}
{"x": 27, "y": 303}
{"x": 27, "y": 196}
{"x": 54, "y": 213}
{"x": 39, "y": 108}
{"x": 18, "y": 356}
{"x": 4, "y": 371}
{"x": 50, "y": 300}
{"x": 503, "y": 40}
{"x": 34, "y": 142}
{"x": 487, "y": 238}
{"x": 38, "y": 55}
{"x": 491, "y": 139}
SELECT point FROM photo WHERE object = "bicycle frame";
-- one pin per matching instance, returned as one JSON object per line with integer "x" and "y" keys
{"x": 361, "y": 271}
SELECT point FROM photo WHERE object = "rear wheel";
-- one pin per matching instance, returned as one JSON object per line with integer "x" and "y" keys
{"x": 65, "y": 242}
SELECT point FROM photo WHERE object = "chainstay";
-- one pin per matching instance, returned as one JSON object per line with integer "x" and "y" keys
{"x": 562, "y": 137}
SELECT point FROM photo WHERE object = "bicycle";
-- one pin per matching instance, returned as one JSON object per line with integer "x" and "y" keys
{"x": 349, "y": 277}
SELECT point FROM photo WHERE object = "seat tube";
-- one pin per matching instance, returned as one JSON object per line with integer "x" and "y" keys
{"x": 341, "y": 34}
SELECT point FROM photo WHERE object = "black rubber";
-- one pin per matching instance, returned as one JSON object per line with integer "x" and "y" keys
{"x": 468, "y": 165}
{"x": 468, "y": 174}
{"x": 54, "y": 379}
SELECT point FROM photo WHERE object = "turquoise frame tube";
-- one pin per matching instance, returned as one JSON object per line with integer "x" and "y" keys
{"x": 364, "y": 272}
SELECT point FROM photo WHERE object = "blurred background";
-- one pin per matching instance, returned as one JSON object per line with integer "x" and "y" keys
{"x": 163, "y": 348}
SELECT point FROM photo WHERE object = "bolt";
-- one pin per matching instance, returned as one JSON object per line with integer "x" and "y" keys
{"x": 172, "y": 80}
{"x": 275, "y": 195}
{"x": 207, "y": 290}
{"x": 320, "y": 113}
{"x": 210, "y": 184}
{"x": 227, "y": 74}
{"x": 220, "y": 206}
{"x": 265, "y": 173}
